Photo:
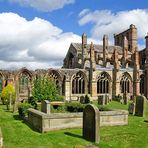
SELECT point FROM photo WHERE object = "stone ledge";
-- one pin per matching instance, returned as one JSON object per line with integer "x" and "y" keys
{"x": 44, "y": 122}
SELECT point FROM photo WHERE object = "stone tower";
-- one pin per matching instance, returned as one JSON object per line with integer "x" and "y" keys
{"x": 131, "y": 35}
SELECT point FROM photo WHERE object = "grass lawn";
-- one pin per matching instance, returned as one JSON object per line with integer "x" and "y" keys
{"x": 19, "y": 135}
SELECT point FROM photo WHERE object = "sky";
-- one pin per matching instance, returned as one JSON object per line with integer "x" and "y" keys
{"x": 37, "y": 33}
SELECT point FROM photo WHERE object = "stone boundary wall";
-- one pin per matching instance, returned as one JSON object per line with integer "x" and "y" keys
{"x": 43, "y": 122}
{"x": 1, "y": 138}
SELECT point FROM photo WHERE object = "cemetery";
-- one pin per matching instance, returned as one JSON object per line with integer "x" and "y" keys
{"x": 48, "y": 128}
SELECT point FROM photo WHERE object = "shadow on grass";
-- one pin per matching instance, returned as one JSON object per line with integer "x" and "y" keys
{"x": 73, "y": 135}
{"x": 17, "y": 117}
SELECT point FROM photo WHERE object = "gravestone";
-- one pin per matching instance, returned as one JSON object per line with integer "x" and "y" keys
{"x": 140, "y": 106}
{"x": 45, "y": 106}
{"x": 131, "y": 108}
{"x": 125, "y": 98}
{"x": 106, "y": 99}
{"x": 102, "y": 100}
{"x": 91, "y": 123}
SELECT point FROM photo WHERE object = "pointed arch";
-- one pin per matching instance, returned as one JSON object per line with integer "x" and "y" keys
{"x": 103, "y": 83}
{"x": 125, "y": 83}
{"x": 56, "y": 76}
{"x": 79, "y": 83}
{"x": 25, "y": 77}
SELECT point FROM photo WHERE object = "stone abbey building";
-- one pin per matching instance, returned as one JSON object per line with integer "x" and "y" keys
{"x": 92, "y": 69}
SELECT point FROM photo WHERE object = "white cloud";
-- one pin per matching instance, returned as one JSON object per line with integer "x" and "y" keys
{"x": 83, "y": 12}
{"x": 107, "y": 22}
{"x": 34, "y": 44}
{"x": 44, "y": 5}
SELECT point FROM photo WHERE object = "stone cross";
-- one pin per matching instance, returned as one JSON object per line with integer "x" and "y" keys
{"x": 45, "y": 106}
{"x": 91, "y": 123}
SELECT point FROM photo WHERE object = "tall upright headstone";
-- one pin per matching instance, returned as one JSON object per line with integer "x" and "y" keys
{"x": 45, "y": 106}
{"x": 91, "y": 123}
{"x": 140, "y": 106}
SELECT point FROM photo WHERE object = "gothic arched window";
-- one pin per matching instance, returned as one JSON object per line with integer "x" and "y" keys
{"x": 23, "y": 82}
{"x": 103, "y": 83}
{"x": 78, "y": 84}
{"x": 125, "y": 84}
{"x": 55, "y": 76}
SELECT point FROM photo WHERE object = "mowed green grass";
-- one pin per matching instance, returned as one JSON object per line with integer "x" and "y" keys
{"x": 17, "y": 134}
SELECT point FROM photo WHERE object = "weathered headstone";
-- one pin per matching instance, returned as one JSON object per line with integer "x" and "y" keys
{"x": 131, "y": 108}
{"x": 106, "y": 99}
{"x": 91, "y": 123}
{"x": 125, "y": 98}
{"x": 82, "y": 100}
{"x": 140, "y": 106}
{"x": 45, "y": 106}
{"x": 102, "y": 100}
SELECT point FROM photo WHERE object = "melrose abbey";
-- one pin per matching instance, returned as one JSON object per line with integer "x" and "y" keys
{"x": 92, "y": 69}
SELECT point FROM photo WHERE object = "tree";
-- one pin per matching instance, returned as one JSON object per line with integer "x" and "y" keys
{"x": 44, "y": 88}
{"x": 6, "y": 93}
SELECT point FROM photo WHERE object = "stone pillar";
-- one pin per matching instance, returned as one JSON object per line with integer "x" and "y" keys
{"x": 116, "y": 83}
{"x": 136, "y": 77}
{"x": 67, "y": 90}
{"x": 84, "y": 49}
{"x": 94, "y": 89}
{"x": 16, "y": 94}
{"x": 133, "y": 38}
{"x": 92, "y": 57}
{"x": 105, "y": 49}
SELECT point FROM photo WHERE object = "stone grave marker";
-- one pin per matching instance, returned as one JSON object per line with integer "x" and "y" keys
{"x": 102, "y": 100}
{"x": 91, "y": 123}
{"x": 106, "y": 98}
{"x": 45, "y": 106}
{"x": 125, "y": 98}
{"x": 131, "y": 108}
{"x": 140, "y": 106}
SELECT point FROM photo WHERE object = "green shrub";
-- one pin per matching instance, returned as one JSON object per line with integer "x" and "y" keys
{"x": 5, "y": 95}
{"x": 59, "y": 109}
{"x": 59, "y": 98}
{"x": 23, "y": 109}
{"x": 32, "y": 101}
{"x": 75, "y": 107}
